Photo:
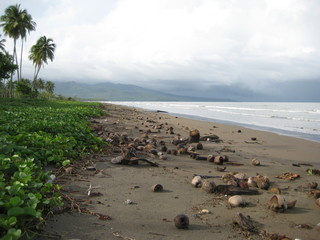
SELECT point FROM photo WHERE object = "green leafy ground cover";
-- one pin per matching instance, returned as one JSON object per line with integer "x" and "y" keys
{"x": 34, "y": 134}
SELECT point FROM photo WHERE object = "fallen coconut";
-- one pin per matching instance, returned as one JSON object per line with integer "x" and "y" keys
{"x": 218, "y": 160}
{"x": 236, "y": 201}
{"x": 156, "y": 188}
{"x": 318, "y": 202}
{"x": 263, "y": 182}
{"x": 210, "y": 158}
{"x": 208, "y": 186}
{"x": 255, "y": 162}
{"x": 275, "y": 190}
{"x": 278, "y": 203}
{"x": 199, "y": 146}
{"x": 251, "y": 182}
{"x": 197, "y": 181}
{"x": 291, "y": 204}
{"x": 181, "y": 221}
{"x": 194, "y": 136}
{"x": 240, "y": 176}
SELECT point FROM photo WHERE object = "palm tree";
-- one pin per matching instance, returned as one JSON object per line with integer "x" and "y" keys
{"x": 11, "y": 28}
{"x": 49, "y": 86}
{"x": 38, "y": 84}
{"x": 26, "y": 26}
{"x": 16, "y": 23}
{"x": 2, "y": 41}
{"x": 41, "y": 52}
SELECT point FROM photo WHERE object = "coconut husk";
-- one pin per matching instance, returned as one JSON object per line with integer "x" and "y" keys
{"x": 194, "y": 136}
{"x": 244, "y": 223}
{"x": 288, "y": 176}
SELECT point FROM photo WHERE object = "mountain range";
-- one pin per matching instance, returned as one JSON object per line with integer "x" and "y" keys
{"x": 108, "y": 91}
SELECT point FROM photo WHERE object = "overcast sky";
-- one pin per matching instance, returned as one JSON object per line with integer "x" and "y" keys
{"x": 159, "y": 43}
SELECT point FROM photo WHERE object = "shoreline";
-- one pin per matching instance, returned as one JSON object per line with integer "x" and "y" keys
{"x": 280, "y": 131}
{"x": 151, "y": 214}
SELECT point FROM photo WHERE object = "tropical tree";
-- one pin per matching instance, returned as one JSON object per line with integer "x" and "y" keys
{"x": 26, "y": 26}
{"x": 49, "y": 87}
{"x": 6, "y": 69}
{"x": 41, "y": 52}
{"x": 2, "y": 41}
{"x": 16, "y": 23}
{"x": 38, "y": 84}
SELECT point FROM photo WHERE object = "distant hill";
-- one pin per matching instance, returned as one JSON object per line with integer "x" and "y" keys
{"x": 118, "y": 92}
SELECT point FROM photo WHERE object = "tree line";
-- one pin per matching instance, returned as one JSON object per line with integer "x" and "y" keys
{"x": 16, "y": 24}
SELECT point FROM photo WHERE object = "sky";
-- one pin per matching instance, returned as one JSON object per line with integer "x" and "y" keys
{"x": 179, "y": 46}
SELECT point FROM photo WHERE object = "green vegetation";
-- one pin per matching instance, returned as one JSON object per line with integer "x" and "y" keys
{"x": 16, "y": 23}
{"x": 34, "y": 134}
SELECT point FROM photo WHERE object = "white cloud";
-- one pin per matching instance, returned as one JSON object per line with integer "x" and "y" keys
{"x": 205, "y": 40}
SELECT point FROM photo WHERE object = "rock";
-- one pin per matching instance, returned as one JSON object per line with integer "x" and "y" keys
{"x": 181, "y": 221}
{"x": 194, "y": 136}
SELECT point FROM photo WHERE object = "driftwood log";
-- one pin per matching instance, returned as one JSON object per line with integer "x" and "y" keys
{"x": 233, "y": 190}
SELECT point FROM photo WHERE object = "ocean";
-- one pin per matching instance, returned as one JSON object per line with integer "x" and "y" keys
{"x": 301, "y": 120}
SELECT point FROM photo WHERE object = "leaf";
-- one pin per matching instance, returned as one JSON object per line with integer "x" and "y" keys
{"x": 19, "y": 211}
{"x": 66, "y": 162}
{"x": 15, "y": 201}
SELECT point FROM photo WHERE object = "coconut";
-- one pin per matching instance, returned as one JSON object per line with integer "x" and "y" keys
{"x": 263, "y": 182}
{"x": 236, "y": 201}
{"x": 240, "y": 176}
{"x": 278, "y": 203}
{"x": 156, "y": 188}
{"x": 208, "y": 186}
{"x": 197, "y": 181}
{"x": 218, "y": 160}
{"x": 181, "y": 221}
{"x": 251, "y": 182}
{"x": 255, "y": 162}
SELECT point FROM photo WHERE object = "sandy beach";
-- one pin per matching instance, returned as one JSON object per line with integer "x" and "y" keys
{"x": 122, "y": 206}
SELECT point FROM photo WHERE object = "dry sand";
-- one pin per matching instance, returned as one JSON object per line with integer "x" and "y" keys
{"x": 151, "y": 214}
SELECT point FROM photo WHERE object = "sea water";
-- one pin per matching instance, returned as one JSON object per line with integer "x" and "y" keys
{"x": 300, "y": 120}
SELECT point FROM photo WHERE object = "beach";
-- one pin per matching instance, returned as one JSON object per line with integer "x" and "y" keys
{"x": 122, "y": 206}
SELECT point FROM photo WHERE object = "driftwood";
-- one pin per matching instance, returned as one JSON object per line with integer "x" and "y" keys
{"x": 244, "y": 223}
{"x": 135, "y": 161}
{"x": 206, "y": 176}
{"x": 233, "y": 190}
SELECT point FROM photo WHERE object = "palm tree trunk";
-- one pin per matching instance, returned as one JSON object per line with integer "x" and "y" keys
{"x": 38, "y": 70}
{"x": 15, "y": 56}
{"x": 21, "y": 58}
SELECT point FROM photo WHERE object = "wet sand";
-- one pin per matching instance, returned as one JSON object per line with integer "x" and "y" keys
{"x": 151, "y": 214}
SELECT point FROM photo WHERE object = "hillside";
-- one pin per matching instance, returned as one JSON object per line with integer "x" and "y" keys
{"x": 118, "y": 92}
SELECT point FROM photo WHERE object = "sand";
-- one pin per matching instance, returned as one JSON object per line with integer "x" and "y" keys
{"x": 150, "y": 214}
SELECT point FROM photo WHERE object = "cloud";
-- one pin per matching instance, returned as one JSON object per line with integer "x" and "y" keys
{"x": 205, "y": 41}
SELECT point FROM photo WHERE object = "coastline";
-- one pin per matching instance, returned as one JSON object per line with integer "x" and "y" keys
{"x": 151, "y": 214}
{"x": 276, "y": 127}
{"x": 304, "y": 136}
